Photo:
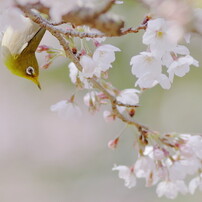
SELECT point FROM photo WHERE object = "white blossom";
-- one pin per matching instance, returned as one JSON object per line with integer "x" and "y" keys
{"x": 100, "y": 61}
{"x": 143, "y": 166}
{"x": 127, "y": 174}
{"x": 194, "y": 143}
{"x": 74, "y": 74}
{"x": 159, "y": 154}
{"x": 88, "y": 65}
{"x": 147, "y": 69}
{"x": 66, "y": 109}
{"x": 128, "y": 97}
{"x": 103, "y": 56}
{"x": 161, "y": 36}
{"x": 146, "y": 168}
{"x": 150, "y": 80}
{"x": 170, "y": 189}
{"x": 145, "y": 63}
{"x": 181, "y": 66}
{"x": 108, "y": 116}
{"x": 195, "y": 183}
{"x": 167, "y": 58}
{"x": 191, "y": 165}
{"x": 90, "y": 98}
{"x": 177, "y": 171}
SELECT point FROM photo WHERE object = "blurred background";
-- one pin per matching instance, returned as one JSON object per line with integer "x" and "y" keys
{"x": 44, "y": 158}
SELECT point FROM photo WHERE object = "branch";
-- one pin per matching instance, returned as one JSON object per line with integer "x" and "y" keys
{"x": 42, "y": 22}
{"x": 95, "y": 17}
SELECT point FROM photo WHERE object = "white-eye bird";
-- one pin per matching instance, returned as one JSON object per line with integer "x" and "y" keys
{"x": 18, "y": 50}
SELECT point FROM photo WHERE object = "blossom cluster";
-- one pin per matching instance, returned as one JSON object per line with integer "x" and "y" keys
{"x": 163, "y": 160}
{"x": 162, "y": 38}
{"x": 94, "y": 65}
{"x": 166, "y": 164}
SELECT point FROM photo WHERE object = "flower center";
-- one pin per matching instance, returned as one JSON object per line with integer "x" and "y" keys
{"x": 159, "y": 34}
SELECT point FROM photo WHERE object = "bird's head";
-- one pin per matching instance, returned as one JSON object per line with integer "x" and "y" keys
{"x": 25, "y": 66}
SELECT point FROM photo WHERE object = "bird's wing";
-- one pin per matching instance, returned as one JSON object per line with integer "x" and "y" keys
{"x": 34, "y": 42}
{"x": 17, "y": 40}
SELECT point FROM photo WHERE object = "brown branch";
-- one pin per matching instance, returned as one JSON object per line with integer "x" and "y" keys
{"x": 74, "y": 33}
{"x": 126, "y": 105}
{"x": 81, "y": 35}
{"x": 95, "y": 17}
{"x": 38, "y": 19}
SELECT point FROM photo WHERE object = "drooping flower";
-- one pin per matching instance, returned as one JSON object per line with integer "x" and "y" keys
{"x": 161, "y": 36}
{"x": 181, "y": 66}
{"x": 109, "y": 116}
{"x": 194, "y": 143}
{"x": 66, "y": 109}
{"x": 77, "y": 77}
{"x": 127, "y": 174}
{"x": 146, "y": 168}
{"x": 170, "y": 189}
{"x": 89, "y": 66}
{"x": 100, "y": 62}
{"x": 103, "y": 56}
{"x": 195, "y": 183}
{"x": 127, "y": 97}
{"x": 147, "y": 69}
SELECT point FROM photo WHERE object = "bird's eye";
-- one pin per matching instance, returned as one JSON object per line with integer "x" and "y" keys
{"x": 30, "y": 71}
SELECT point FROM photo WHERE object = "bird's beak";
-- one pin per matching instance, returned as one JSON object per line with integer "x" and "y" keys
{"x": 39, "y": 86}
{"x": 36, "y": 81}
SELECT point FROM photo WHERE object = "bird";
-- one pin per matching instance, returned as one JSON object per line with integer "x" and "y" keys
{"x": 18, "y": 49}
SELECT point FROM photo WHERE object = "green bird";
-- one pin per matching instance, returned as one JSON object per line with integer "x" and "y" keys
{"x": 18, "y": 50}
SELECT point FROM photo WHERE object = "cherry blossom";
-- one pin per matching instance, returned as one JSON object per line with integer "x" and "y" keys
{"x": 127, "y": 174}
{"x": 100, "y": 62}
{"x": 90, "y": 98}
{"x": 77, "y": 77}
{"x": 66, "y": 109}
{"x": 170, "y": 189}
{"x": 108, "y": 116}
{"x": 147, "y": 69}
{"x": 181, "y": 66}
{"x": 194, "y": 143}
{"x": 161, "y": 36}
{"x": 89, "y": 66}
{"x": 105, "y": 54}
{"x": 195, "y": 183}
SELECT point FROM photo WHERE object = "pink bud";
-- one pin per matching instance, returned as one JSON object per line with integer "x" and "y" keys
{"x": 113, "y": 143}
{"x": 108, "y": 116}
{"x": 42, "y": 48}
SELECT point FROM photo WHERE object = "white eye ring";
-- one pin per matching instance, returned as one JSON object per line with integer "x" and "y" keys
{"x": 30, "y": 71}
